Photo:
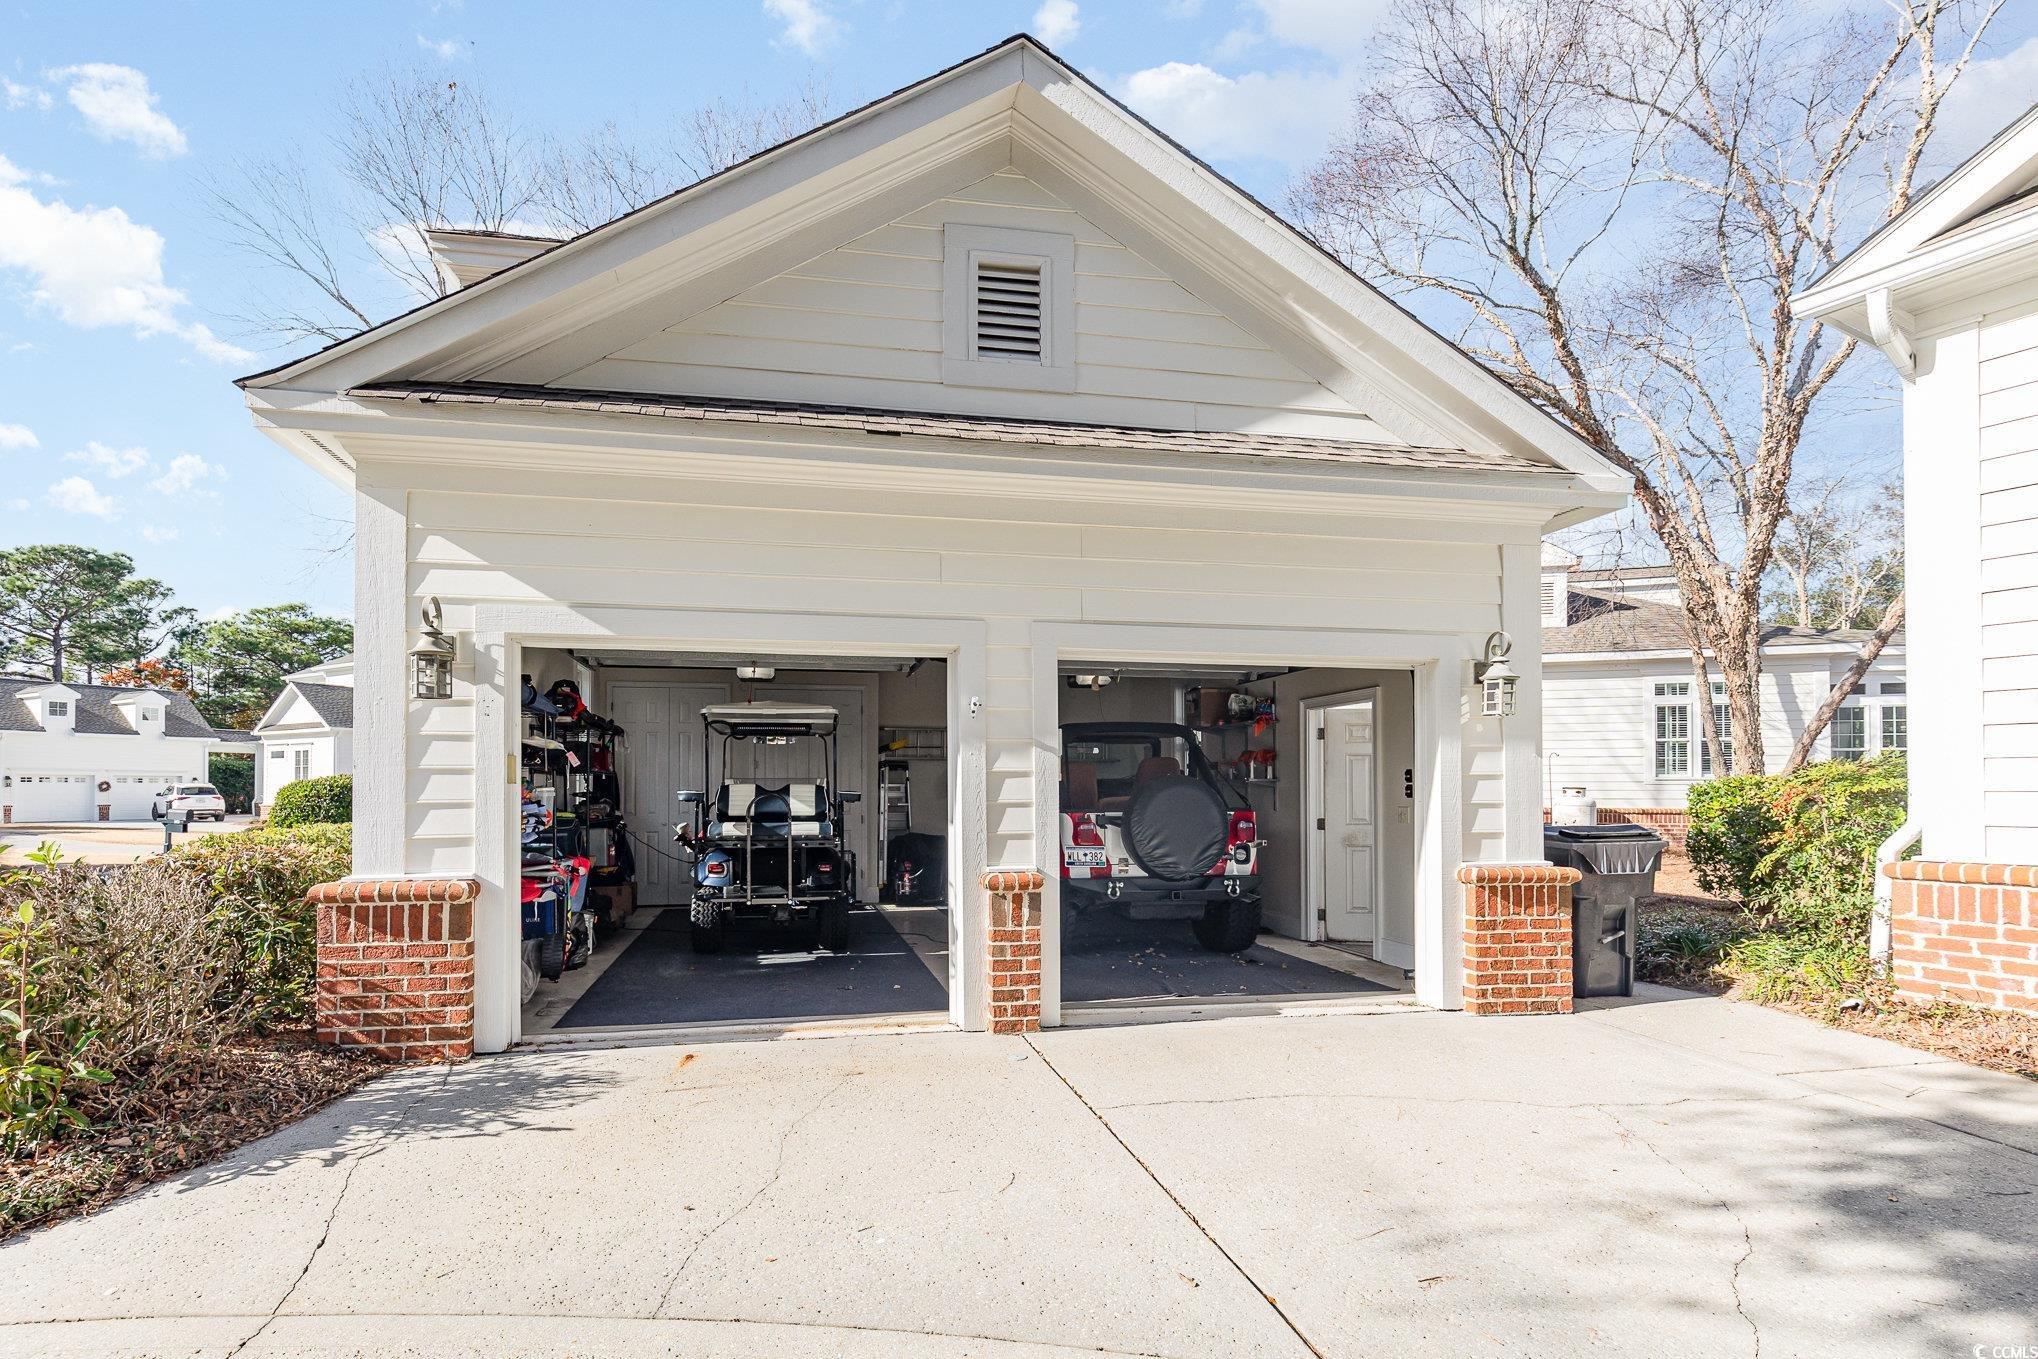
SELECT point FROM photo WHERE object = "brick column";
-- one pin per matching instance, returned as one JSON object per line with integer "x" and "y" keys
{"x": 1965, "y": 932}
{"x": 396, "y": 966}
{"x": 1517, "y": 938}
{"x": 105, "y": 811}
{"x": 1014, "y": 936}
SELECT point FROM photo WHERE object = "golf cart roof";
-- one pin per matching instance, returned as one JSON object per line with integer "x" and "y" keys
{"x": 770, "y": 719}
{"x": 1095, "y": 730}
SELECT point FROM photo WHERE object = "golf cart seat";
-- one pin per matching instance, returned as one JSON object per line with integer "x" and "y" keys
{"x": 790, "y": 809}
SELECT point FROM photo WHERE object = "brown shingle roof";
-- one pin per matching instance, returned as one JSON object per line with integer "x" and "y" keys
{"x": 986, "y": 429}
{"x": 1610, "y": 622}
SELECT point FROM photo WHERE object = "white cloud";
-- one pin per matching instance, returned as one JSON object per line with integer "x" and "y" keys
{"x": 24, "y": 96}
{"x": 1056, "y": 21}
{"x": 806, "y": 24}
{"x": 117, "y": 104}
{"x": 185, "y": 472}
{"x": 1337, "y": 28}
{"x": 17, "y": 505}
{"x": 1284, "y": 116}
{"x": 445, "y": 49}
{"x": 18, "y": 436}
{"x": 114, "y": 462}
{"x": 155, "y": 533}
{"x": 79, "y": 496}
{"x": 1980, "y": 105}
{"x": 95, "y": 267}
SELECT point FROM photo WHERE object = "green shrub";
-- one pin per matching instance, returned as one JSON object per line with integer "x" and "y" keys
{"x": 1802, "y": 845}
{"x": 234, "y": 776}
{"x": 319, "y": 801}
{"x": 257, "y": 880}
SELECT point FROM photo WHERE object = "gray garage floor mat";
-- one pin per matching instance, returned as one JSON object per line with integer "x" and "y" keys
{"x": 759, "y": 975}
{"x": 1115, "y": 959}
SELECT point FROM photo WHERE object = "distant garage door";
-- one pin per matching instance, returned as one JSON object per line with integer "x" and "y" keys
{"x": 53, "y": 797}
{"x": 132, "y": 795}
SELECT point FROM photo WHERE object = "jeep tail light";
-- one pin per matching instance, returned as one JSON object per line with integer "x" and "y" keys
{"x": 1244, "y": 828}
{"x": 1087, "y": 832}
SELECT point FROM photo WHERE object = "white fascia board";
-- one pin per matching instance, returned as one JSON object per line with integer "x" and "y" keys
{"x": 625, "y": 254}
{"x": 1771, "y": 652}
{"x": 276, "y": 707}
{"x": 1903, "y": 252}
{"x": 521, "y": 439}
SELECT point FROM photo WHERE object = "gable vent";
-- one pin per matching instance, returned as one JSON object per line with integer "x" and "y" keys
{"x": 1005, "y": 305}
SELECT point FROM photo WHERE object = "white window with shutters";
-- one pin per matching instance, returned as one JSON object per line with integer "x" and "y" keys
{"x": 1008, "y": 312}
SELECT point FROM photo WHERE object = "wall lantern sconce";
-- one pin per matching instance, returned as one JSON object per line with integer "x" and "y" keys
{"x": 1497, "y": 679}
{"x": 431, "y": 660}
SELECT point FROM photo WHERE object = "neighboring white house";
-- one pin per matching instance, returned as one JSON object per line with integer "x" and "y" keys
{"x": 1620, "y": 716}
{"x": 957, "y": 401}
{"x": 1948, "y": 292}
{"x": 97, "y": 752}
{"x": 308, "y": 732}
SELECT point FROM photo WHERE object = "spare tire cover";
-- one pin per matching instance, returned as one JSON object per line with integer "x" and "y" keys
{"x": 1176, "y": 828}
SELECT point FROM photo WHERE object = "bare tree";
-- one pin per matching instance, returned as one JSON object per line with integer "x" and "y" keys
{"x": 1617, "y": 203}
{"x": 341, "y": 234}
{"x": 1839, "y": 558}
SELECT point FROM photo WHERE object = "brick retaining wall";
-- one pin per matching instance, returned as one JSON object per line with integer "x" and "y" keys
{"x": 1965, "y": 932}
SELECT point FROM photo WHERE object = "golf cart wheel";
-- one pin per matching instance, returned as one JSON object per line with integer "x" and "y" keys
{"x": 1229, "y": 925}
{"x": 552, "y": 956}
{"x": 581, "y": 937}
{"x": 834, "y": 931}
{"x": 704, "y": 934}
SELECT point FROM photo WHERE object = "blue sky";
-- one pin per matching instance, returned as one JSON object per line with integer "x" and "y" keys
{"x": 119, "y": 425}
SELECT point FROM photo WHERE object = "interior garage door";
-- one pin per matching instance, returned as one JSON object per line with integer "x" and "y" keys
{"x": 134, "y": 794}
{"x": 54, "y": 797}
{"x": 662, "y": 753}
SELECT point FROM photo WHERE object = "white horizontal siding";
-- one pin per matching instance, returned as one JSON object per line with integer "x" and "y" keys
{"x": 2008, "y": 525}
{"x": 604, "y": 541}
{"x": 861, "y": 324}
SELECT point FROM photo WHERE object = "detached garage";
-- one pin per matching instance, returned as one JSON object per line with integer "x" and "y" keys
{"x": 987, "y": 385}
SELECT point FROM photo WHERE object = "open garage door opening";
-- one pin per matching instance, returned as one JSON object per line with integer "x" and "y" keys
{"x": 1234, "y": 838}
{"x": 766, "y": 840}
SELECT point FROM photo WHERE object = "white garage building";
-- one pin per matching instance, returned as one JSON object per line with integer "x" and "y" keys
{"x": 939, "y": 411}
{"x": 96, "y": 752}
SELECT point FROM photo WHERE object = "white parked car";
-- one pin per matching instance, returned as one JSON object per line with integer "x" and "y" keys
{"x": 196, "y": 800}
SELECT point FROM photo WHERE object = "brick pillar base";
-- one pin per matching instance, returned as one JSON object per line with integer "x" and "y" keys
{"x": 7, "y": 815}
{"x": 1517, "y": 938}
{"x": 396, "y": 966}
{"x": 105, "y": 812}
{"x": 1014, "y": 936}
{"x": 1965, "y": 932}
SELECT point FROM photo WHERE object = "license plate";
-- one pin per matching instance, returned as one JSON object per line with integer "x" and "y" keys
{"x": 1095, "y": 858}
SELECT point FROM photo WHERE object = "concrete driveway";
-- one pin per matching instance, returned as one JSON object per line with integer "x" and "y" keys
{"x": 1683, "y": 1177}
{"x": 106, "y": 842}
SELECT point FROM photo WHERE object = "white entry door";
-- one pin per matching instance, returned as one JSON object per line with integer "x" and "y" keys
{"x": 1351, "y": 832}
{"x": 662, "y": 753}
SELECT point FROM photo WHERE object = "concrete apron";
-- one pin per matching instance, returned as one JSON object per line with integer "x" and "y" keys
{"x": 1669, "y": 1178}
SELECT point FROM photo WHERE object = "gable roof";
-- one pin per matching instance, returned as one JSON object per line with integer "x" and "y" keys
{"x": 333, "y": 703}
{"x": 1602, "y": 622}
{"x": 96, "y": 714}
{"x": 1014, "y": 102}
{"x": 1953, "y": 242}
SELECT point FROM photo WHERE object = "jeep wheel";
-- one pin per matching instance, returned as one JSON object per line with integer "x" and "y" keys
{"x": 834, "y": 931}
{"x": 704, "y": 934}
{"x": 1229, "y": 925}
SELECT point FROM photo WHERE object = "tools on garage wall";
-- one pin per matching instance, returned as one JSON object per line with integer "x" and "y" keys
{"x": 579, "y": 874}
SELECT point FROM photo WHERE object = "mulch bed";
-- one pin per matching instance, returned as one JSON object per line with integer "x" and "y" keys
{"x": 222, "y": 1100}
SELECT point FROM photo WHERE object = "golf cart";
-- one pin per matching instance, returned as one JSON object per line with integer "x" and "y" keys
{"x": 769, "y": 847}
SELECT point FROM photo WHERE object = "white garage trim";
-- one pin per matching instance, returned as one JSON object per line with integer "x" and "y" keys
{"x": 1437, "y": 663}
{"x": 501, "y": 633}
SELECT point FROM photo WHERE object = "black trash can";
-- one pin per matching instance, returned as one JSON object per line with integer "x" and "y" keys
{"x": 1618, "y": 863}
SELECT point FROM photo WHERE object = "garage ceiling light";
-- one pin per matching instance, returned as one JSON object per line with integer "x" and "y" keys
{"x": 1091, "y": 682}
{"x": 758, "y": 673}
